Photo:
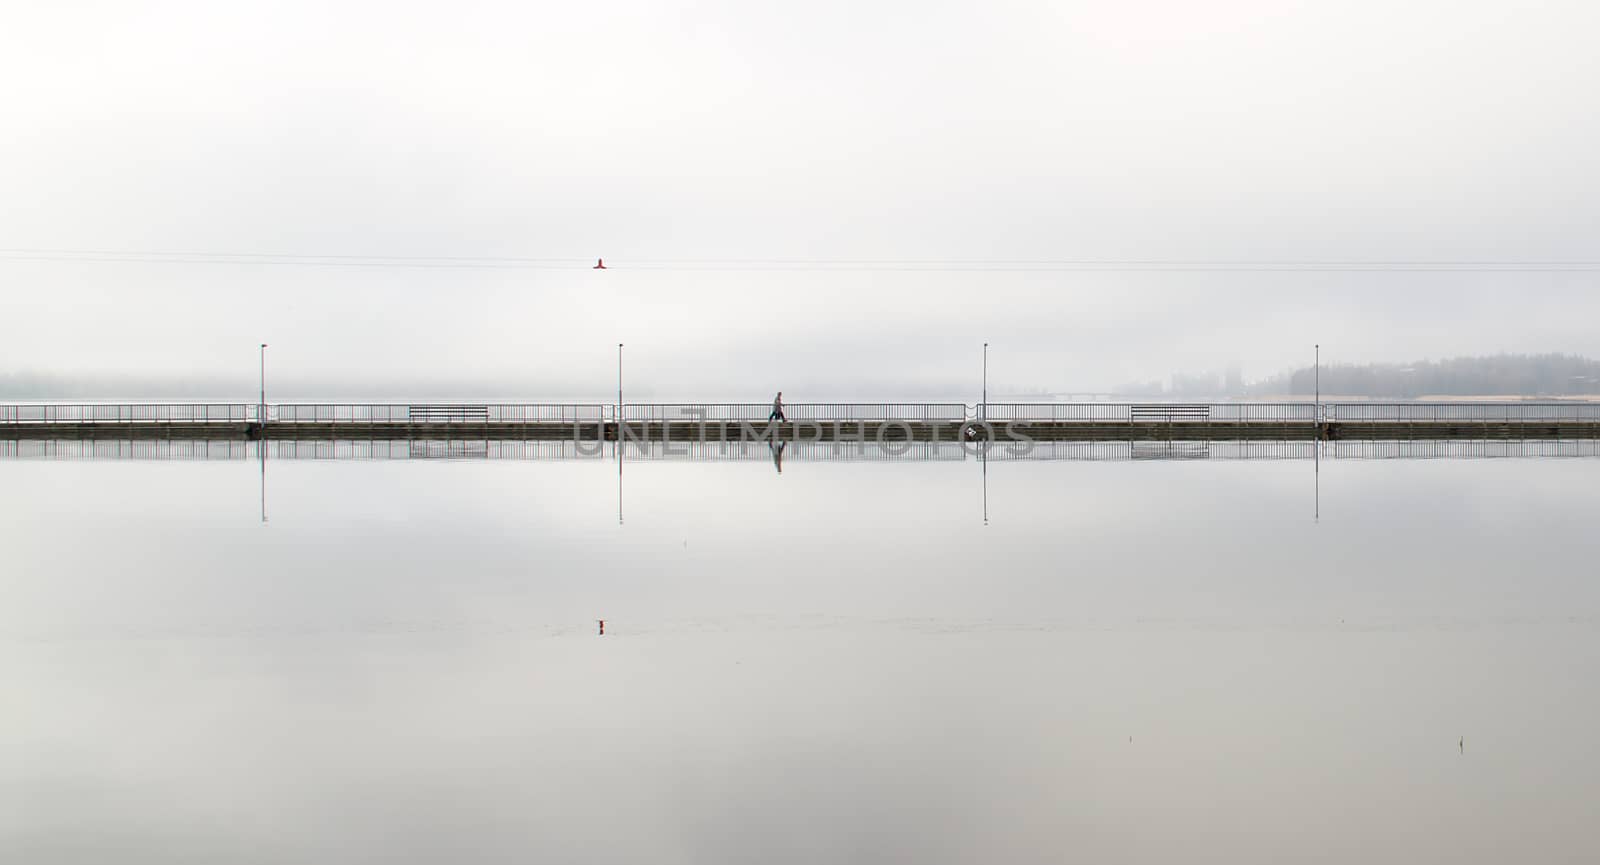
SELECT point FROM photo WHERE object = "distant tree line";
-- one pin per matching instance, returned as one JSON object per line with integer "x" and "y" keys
{"x": 1501, "y": 374}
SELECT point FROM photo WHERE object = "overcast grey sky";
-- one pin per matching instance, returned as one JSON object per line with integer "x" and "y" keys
{"x": 922, "y": 131}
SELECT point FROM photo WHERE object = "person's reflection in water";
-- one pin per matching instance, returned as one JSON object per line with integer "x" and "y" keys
{"x": 777, "y": 453}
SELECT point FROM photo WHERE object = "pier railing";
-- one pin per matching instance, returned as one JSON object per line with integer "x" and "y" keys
{"x": 54, "y": 413}
{"x": 811, "y": 411}
{"x": 1088, "y": 413}
{"x": 436, "y": 413}
{"x": 1296, "y": 412}
{"x": 1164, "y": 412}
{"x": 1447, "y": 412}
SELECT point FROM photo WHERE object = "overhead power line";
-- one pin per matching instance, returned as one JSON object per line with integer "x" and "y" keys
{"x": 1031, "y": 265}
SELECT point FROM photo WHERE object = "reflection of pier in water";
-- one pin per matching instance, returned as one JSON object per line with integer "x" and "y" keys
{"x": 875, "y": 423}
{"x": 779, "y": 452}
{"x": 793, "y": 452}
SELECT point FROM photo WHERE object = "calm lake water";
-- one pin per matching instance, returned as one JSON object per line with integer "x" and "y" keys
{"x": 1136, "y": 661}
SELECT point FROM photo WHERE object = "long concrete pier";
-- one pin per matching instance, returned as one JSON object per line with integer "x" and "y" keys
{"x": 826, "y": 422}
{"x": 827, "y": 431}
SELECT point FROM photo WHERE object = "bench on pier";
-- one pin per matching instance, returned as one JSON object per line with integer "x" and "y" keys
{"x": 449, "y": 413}
{"x": 1169, "y": 412}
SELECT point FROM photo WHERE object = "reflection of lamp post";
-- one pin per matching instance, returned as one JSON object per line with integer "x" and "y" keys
{"x": 983, "y": 457}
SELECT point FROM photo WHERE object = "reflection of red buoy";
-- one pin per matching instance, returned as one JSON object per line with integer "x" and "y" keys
{"x": 602, "y": 626}
{"x": 599, "y": 264}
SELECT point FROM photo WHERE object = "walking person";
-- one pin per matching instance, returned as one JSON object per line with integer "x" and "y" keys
{"x": 777, "y": 408}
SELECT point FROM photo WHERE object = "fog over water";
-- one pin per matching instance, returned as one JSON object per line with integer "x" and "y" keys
{"x": 696, "y": 148}
{"x": 1135, "y": 651}
{"x": 1129, "y": 662}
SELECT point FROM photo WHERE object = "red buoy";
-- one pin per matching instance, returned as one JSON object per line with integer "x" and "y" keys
{"x": 599, "y": 264}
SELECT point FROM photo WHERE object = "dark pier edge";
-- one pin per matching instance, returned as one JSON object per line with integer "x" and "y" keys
{"x": 867, "y": 431}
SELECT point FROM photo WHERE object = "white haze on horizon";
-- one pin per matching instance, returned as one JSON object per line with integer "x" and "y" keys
{"x": 1254, "y": 131}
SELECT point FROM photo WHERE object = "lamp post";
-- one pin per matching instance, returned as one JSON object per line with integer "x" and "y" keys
{"x": 261, "y": 407}
{"x": 1317, "y": 378}
{"x": 985, "y": 410}
{"x": 620, "y": 436}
